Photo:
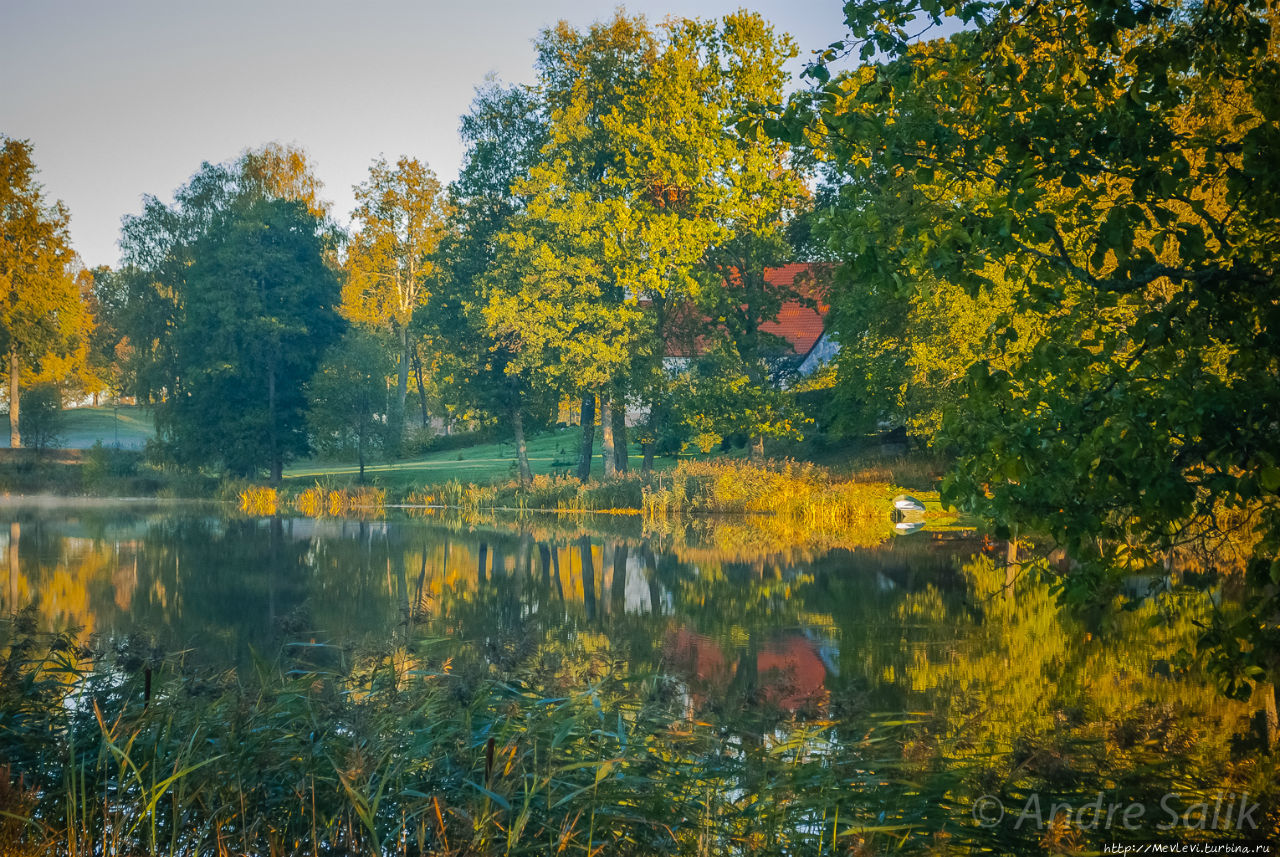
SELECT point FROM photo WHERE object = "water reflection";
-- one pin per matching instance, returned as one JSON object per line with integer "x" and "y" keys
{"x": 219, "y": 585}
{"x": 978, "y": 689}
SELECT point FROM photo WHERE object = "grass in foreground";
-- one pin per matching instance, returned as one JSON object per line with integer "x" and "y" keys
{"x": 402, "y": 752}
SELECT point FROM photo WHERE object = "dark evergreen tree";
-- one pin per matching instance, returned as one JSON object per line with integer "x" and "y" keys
{"x": 233, "y": 302}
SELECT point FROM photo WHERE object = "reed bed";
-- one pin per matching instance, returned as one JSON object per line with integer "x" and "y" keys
{"x": 801, "y": 501}
{"x": 400, "y": 753}
{"x": 259, "y": 500}
{"x": 798, "y": 491}
{"x": 318, "y": 501}
{"x": 919, "y": 472}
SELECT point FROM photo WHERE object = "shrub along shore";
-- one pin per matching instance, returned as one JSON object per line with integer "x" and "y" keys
{"x": 804, "y": 493}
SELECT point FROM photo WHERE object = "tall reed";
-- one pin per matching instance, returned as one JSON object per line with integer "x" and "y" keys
{"x": 406, "y": 754}
{"x": 259, "y": 500}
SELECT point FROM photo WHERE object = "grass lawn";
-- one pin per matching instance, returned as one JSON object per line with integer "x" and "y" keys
{"x": 552, "y": 452}
{"x": 129, "y": 426}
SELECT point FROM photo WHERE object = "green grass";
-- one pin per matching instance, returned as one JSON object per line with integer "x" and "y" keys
{"x": 129, "y": 426}
{"x": 553, "y": 452}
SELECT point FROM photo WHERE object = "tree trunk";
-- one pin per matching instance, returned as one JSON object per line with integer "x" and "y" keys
{"x": 15, "y": 435}
{"x": 402, "y": 381}
{"x": 618, "y": 590}
{"x": 277, "y": 465}
{"x": 522, "y": 449}
{"x": 480, "y": 563}
{"x": 360, "y": 454}
{"x": 647, "y": 466}
{"x": 524, "y": 556}
{"x": 588, "y": 578}
{"x": 422, "y": 390}
{"x": 1010, "y": 567}
{"x": 1271, "y": 720}
{"x": 588, "y": 437}
{"x": 620, "y": 438}
{"x": 606, "y": 440}
{"x": 544, "y": 555}
{"x": 606, "y": 583}
{"x": 555, "y": 566}
{"x": 757, "y": 448}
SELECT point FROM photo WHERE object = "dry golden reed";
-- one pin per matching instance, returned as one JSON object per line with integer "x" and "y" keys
{"x": 259, "y": 500}
{"x": 798, "y": 491}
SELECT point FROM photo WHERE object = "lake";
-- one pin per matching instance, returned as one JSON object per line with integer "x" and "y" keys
{"x": 877, "y": 691}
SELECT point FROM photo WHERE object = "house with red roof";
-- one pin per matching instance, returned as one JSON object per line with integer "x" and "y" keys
{"x": 800, "y": 325}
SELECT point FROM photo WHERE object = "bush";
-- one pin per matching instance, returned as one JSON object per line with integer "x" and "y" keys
{"x": 102, "y": 464}
{"x": 40, "y": 417}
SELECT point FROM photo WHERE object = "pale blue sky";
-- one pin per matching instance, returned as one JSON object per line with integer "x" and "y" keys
{"x": 126, "y": 97}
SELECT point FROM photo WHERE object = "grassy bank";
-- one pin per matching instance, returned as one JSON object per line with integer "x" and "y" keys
{"x": 552, "y": 453}
{"x": 802, "y": 493}
{"x": 123, "y": 427}
{"x": 478, "y": 477}
{"x": 98, "y": 471}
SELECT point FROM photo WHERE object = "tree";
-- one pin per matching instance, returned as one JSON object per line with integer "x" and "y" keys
{"x": 40, "y": 310}
{"x": 717, "y": 398}
{"x": 347, "y": 398}
{"x": 277, "y": 171}
{"x": 503, "y": 133}
{"x": 1115, "y": 162}
{"x": 402, "y": 216}
{"x": 630, "y": 194}
{"x": 42, "y": 416}
{"x": 906, "y": 355}
{"x": 767, "y": 193}
{"x": 260, "y": 310}
{"x": 231, "y": 306}
{"x": 108, "y": 346}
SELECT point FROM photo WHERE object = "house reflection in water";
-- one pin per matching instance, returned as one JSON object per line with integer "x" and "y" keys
{"x": 787, "y": 672}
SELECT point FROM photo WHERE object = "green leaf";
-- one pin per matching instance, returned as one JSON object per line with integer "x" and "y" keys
{"x": 1269, "y": 478}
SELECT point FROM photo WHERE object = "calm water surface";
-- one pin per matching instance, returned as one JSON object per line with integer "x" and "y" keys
{"x": 1003, "y": 691}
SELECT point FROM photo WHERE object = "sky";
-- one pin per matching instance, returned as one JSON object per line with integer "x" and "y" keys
{"x": 125, "y": 98}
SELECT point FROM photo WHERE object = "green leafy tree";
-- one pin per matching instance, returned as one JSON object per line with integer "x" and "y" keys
{"x": 767, "y": 193}
{"x": 637, "y": 182}
{"x": 260, "y": 309}
{"x": 906, "y": 354}
{"x": 108, "y": 346}
{"x": 348, "y": 403}
{"x": 557, "y": 302}
{"x": 42, "y": 416}
{"x": 717, "y": 399}
{"x": 503, "y": 133}
{"x": 231, "y": 306}
{"x": 1115, "y": 163}
{"x": 401, "y": 217}
{"x": 41, "y": 315}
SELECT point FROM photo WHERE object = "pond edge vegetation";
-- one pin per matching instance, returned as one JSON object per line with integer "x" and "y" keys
{"x": 799, "y": 491}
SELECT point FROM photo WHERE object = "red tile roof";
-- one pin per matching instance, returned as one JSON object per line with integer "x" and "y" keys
{"x": 799, "y": 322}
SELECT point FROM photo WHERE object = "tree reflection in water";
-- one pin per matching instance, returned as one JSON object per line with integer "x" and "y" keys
{"x": 871, "y": 690}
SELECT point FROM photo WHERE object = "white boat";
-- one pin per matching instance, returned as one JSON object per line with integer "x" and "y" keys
{"x": 907, "y": 503}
